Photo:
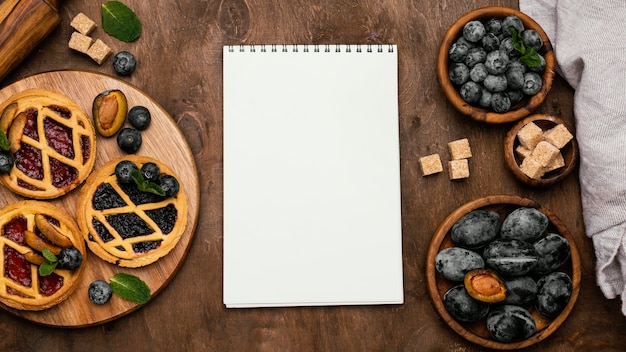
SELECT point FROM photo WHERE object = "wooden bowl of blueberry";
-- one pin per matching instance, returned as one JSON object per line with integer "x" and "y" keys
{"x": 495, "y": 64}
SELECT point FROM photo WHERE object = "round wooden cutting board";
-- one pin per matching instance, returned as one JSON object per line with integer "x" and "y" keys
{"x": 164, "y": 141}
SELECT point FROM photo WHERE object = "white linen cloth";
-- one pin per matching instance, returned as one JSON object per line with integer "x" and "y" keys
{"x": 588, "y": 40}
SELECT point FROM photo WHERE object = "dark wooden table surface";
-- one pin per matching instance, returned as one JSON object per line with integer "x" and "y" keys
{"x": 180, "y": 66}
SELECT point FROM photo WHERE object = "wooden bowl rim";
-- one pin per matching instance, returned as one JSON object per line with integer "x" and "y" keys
{"x": 509, "y": 152}
{"x": 479, "y": 114}
{"x": 431, "y": 276}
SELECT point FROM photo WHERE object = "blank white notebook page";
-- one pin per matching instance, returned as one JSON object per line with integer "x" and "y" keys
{"x": 312, "y": 212}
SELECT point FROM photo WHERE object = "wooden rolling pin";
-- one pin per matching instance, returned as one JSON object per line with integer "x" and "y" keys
{"x": 23, "y": 25}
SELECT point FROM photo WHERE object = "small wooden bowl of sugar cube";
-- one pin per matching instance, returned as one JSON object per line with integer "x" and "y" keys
{"x": 540, "y": 150}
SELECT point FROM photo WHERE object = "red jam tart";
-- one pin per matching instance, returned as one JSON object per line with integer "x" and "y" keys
{"x": 52, "y": 142}
{"x": 26, "y": 228}
{"x": 127, "y": 226}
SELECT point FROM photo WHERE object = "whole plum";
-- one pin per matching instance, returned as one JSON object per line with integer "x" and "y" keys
{"x": 475, "y": 229}
{"x": 509, "y": 323}
{"x": 553, "y": 294}
{"x": 554, "y": 250}
{"x": 462, "y": 306}
{"x": 524, "y": 223}
{"x": 452, "y": 263}
{"x": 510, "y": 257}
{"x": 520, "y": 290}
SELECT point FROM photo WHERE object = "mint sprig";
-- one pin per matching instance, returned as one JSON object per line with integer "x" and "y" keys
{"x": 46, "y": 268}
{"x": 130, "y": 287}
{"x": 145, "y": 185}
{"x": 5, "y": 144}
{"x": 529, "y": 56}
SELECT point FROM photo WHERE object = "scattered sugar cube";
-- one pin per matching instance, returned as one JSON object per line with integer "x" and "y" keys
{"x": 558, "y": 135}
{"x": 557, "y": 163}
{"x": 530, "y": 135}
{"x": 431, "y": 164}
{"x": 532, "y": 168}
{"x": 458, "y": 169}
{"x": 80, "y": 42}
{"x": 522, "y": 151}
{"x": 460, "y": 149}
{"x": 83, "y": 24}
{"x": 544, "y": 153}
{"x": 99, "y": 51}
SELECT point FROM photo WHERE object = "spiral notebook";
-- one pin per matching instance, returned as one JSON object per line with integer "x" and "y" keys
{"x": 312, "y": 213}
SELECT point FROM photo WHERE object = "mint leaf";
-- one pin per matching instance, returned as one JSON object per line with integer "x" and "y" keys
{"x": 529, "y": 56}
{"x": 49, "y": 255}
{"x": 120, "y": 22}
{"x": 145, "y": 185}
{"x": 46, "y": 268}
{"x": 130, "y": 287}
{"x": 4, "y": 141}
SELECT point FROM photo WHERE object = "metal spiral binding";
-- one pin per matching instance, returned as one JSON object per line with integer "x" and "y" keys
{"x": 327, "y": 48}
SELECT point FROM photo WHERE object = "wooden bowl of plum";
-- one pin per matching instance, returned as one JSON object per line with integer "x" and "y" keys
{"x": 495, "y": 64}
{"x": 540, "y": 150}
{"x": 503, "y": 272}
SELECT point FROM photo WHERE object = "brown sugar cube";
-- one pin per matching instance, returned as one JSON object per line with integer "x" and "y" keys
{"x": 99, "y": 51}
{"x": 431, "y": 164}
{"x": 458, "y": 169}
{"x": 460, "y": 149}
{"x": 80, "y": 42}
{"x": 532, "y": 168}
{"x": 83, "y": 24}
{"x": 558, "y": 136}
{"x": 530, "y": 135}
{"x": 544, "y": 153}
{"x": 522, "y": 151}
{"x": 557, "y": 163}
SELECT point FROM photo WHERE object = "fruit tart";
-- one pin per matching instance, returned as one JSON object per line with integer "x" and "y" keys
{"x": 29, "y": 229}
{"x": 52, "y": 142}
{"x": 132, "y": 211}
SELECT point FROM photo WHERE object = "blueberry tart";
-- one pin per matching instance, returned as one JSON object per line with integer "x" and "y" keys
{"x": 128, "y": 219}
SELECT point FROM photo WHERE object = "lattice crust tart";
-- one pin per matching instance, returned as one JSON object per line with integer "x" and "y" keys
{"x": 126, "y": 226}
{"x": 52, "y": 141}
{"x": 21, "y": 285}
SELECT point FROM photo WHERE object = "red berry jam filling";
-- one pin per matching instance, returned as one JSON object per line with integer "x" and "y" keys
{"x": 30, "y": 130}
{"x": 61, "y": 111}
{"x": 28, "y": 160}
{"x": 16, "y": 267}
{"x": 27, "y": 185}
{"x": 14, "y": 230}
{"x": 50, "y": 284}
{"x": 63, "y": 175}
{"x": 59, "y": 137}
{"x": 85, "y": 146}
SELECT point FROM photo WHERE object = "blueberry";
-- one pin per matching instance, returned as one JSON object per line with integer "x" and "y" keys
{"x": 458, "y": 51}
{"x": 500, "y": 102}
{"x": 532, "y": 39}
{"x": 495, "y": 83}
{"x": 6, "y": 162}
{"x": 70, "y": 258}
{"x": 169, "y": 184}
{"x": 497, "y": 62}
{"x": 150, "y": 171}
{"x": 139, "y": 117}
{"x": 512, "y": 21}
{"x": 99, "y": 292}
{"x": 471, "y": 92}
{"x": 124, "y": 63}
{"x": 478, "y": 73}
{"x": 490, "y": 42}
{"x": 474, "y": 31}
{"x": 123, "y": 170}
{"x": 458, "y": 73}
{"x": 474, "y": 56}
{"x": 532, "y": 83}
{"x": 494, "y": 25}
{"x": 129, "y": 140}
